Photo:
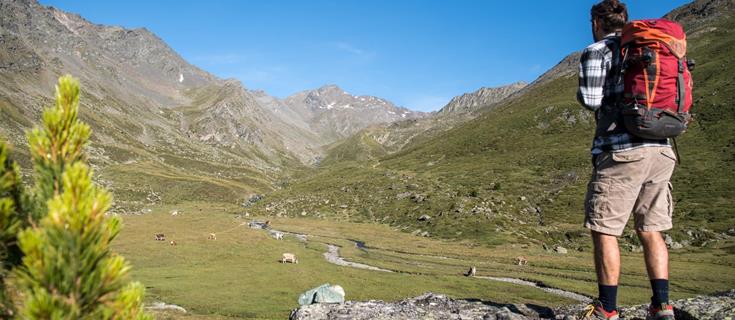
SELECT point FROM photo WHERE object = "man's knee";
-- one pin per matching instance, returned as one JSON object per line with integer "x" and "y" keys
{"x": 649, "y": 236}
{"x": 604, "y": 240}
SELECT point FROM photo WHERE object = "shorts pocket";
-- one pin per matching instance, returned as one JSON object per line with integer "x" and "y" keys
{"x": 631, "y": 156}
{"x": 596, "y": 199}
{"x": 668, "y": 153}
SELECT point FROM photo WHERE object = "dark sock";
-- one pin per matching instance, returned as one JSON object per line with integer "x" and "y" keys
{"x": 608, "y": 297}
{"x": 660, "y": 288}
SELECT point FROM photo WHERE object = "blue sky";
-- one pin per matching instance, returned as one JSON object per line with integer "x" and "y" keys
{"x": 416, "y": 53}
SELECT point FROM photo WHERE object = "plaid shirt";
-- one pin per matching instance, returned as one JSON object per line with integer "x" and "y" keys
{"x": 599, "y": 89}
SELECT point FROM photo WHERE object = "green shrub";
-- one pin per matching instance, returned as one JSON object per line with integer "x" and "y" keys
{"x": 61, "y": 229}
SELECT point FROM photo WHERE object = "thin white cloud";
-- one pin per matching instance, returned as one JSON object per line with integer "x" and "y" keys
{"x": 353, "y": 50}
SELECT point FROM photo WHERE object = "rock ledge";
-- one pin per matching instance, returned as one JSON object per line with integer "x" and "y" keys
{"x": 438, "y": 306}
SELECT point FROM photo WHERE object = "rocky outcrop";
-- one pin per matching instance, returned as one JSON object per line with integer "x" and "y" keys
{"x": 437, "y": 306}
{"x": 427, "y": 306}
{"x": 484, "y": 97}
{"x": 715, "y": 307}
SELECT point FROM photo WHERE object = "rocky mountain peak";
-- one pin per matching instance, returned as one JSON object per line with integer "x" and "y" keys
{"x": 483, "y": 97}
{"x": 330, "y": 89}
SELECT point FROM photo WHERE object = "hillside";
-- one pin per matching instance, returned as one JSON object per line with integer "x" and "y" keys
{"x": 518, "y": 172}
{"x": 190, "y": 134}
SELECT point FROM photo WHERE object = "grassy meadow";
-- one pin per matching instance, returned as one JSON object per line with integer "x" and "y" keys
{"x": 238, "y": 275}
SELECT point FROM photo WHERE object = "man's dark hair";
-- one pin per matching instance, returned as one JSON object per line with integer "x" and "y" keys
{"x": 610, "y": 14}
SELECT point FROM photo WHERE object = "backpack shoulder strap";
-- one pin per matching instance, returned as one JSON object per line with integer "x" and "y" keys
{"x": 680, "y": 86}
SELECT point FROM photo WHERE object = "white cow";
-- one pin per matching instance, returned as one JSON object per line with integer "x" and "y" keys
{"x": 289, "y": 257}
{"x": 471, "y": 272}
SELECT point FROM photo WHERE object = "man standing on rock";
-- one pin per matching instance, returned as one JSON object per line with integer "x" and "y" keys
{"x": 631, "y": 174}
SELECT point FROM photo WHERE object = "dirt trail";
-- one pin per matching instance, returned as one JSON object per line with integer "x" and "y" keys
{"x": 332, "y": 256}
{"x": 559, "y": 292}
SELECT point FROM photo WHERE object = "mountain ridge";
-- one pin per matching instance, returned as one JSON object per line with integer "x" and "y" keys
{"x": 472, "y": 101}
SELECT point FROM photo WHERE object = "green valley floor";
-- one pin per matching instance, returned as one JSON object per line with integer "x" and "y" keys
{"x": 239, "y": 274}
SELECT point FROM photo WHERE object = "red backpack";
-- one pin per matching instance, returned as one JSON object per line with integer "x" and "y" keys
{"x": 658, "y": 86}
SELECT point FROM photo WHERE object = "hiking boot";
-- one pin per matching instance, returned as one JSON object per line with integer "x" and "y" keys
{"x": 595, "y": 311}
{"x": 663, "y": 311}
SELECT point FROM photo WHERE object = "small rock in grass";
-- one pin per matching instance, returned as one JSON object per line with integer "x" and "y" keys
{"x": 560, "y": 249}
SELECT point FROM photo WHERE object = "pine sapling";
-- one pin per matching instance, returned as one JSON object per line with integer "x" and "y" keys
{"x": 68, "y": 270}
{"x": 57, "y": 144}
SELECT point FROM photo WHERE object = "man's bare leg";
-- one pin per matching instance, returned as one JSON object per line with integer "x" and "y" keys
{"x": 607, "y": 258}
{"x": 657, "y": 264}
{"x": 607, "y": 266}
{"x": 655, "y": 253}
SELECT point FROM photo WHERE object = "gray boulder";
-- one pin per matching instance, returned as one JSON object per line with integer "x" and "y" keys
{"x": 325, "y": 293}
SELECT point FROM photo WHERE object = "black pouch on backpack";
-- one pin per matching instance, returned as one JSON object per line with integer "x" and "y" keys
{"x": 653, "y": 123}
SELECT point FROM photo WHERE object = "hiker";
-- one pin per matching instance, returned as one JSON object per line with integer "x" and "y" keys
{"x": 630, "y": 173}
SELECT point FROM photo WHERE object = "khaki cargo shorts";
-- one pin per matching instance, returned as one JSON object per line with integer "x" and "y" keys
{"x": 632, "y": 181}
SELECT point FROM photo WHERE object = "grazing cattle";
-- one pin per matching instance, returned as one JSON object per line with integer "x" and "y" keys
{"x": 289, "y": 257}
{"x": 278, "y": 235}
{"x": 471, "y": 272}
{"x": 212, "y": 236}
{"x": 173, "y": 243}
{"x": 160, "y": 237}
{"x": 521, "y": 261}
{"x": 267, "y": 224}
{"x": 175, "y": 213}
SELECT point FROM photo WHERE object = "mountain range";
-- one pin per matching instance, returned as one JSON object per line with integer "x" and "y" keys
{"x": 497, "y": 164}
{"x": 154, "y": 113}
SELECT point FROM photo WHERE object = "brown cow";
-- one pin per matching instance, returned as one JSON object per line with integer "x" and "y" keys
{"x": 521, "y": 261}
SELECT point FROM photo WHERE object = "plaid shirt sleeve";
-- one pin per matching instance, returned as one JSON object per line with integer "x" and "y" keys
{"x": 592, "y": 75}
